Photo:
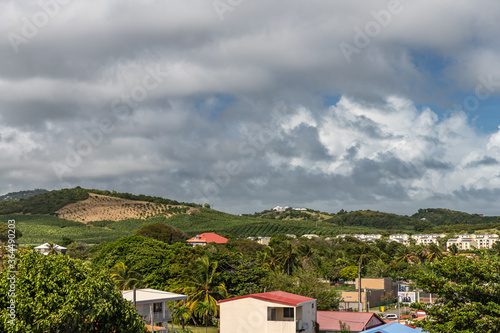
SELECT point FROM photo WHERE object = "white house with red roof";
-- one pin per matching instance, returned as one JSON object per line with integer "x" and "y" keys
{"x": 205, "y": 238}
{"x": 272, "y": 312}
{"x": 329, "y": 321}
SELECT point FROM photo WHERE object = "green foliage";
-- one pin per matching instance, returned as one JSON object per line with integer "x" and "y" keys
{"x": 21, "y": 194}
{"x": 162, "y": 266}
{"x": 349, "y": 273}
{"x": 45, "y": 203}
{"x": 305, "y": 283}
{"x": 162, "y": 232}
{"x": 468, "y": 291}
{"x": 440, "y": 216}
{"x": 78, "y": 250}
{"x": 58, "y": 294}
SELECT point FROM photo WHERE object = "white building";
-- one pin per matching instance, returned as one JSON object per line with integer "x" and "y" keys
{"x": 152, "y": 304}
{"x": 400, "y": 238}
{"x": 48, "y": 248}
{"x": 427, "y": 239}
{"x": 272, "y": 312}
{"x": 469, "y": 241}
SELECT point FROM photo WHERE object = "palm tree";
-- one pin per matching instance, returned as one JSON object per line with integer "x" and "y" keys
{"x": 205, "y": 310}
{"x": 422, "y": 252}
{"x": 361, "y": 253}
{"x": 434, "y": 252}
{"x": 181, "y": 313}
{"x": 287, "y": 256}
{"x": 52, "y": 248}
{"x": 201, "y": 285}
{"x": 404, "y": 254}
{"x": 125, "y": 278}
{"x": 453, "y": 249}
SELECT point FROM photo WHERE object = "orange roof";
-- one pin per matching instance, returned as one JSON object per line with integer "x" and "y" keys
{"x": 280, "y": 297}
{"x": 157, "y": 328}
{"x": 208, "y": 237}
{"x": 357, "y": 321}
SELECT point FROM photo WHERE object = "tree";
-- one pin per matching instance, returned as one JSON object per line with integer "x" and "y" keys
{"x": 181, "y": 314}
{"x": 205, "y": 310}
{"x": 78, "y": 250}
{"x": 361, "y": 252}
{"x": 201, "y": 286}
{"x": 60, "y": 294}
{"x": 162, "y": 232}
{"x": 349, "y": 273}
{"x": 468, "y": 291}
{"x": 287, "y": 256}
{"x": 125, "y": 277}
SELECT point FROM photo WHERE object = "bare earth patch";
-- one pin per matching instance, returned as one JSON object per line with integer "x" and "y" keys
{"x": 101, "y": 207}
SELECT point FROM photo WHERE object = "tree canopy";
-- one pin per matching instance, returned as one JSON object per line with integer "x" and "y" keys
{"x": 468, "y": 291}
{"x": 58, "y": 294}
{"x": 162, "y": 232}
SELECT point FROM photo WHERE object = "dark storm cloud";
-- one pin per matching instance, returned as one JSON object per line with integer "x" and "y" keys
{"x": 178, "y": 100}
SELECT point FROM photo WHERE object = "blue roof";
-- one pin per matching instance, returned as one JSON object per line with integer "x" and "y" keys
{"x": 393, "y": 327}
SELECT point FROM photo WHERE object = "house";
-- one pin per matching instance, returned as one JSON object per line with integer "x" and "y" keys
{"x": 152, "y": 303}
{"x": 46, "y": 248}
{"x": 393, "y": 327}
{"x": 270, "y": 312}
{"x": 310, "y": 236}
{"x": 329, "y": 321}
{"x": 205, "y": 238}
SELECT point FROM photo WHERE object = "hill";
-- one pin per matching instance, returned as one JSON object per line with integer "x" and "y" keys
{"x": 93, "y": 216}
{"x": 98, "y": 207}
{"x": 21, "y": 194}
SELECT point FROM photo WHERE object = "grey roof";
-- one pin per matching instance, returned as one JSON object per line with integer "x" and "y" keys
{"x": 151, "y": 295}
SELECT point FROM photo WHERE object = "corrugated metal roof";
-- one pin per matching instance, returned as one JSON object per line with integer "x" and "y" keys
{"x": 208, "y": 237}
{"x": 280, "y": 297}
{"x": 357, "y": 321}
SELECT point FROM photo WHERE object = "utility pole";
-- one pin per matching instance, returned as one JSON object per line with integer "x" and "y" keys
{"x": 399, "y": 305}
{"x": 360, "y": 305}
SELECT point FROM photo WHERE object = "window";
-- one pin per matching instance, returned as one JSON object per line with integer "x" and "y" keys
{"x": 157, "y": 307}
{"x": 287, "y": 312}
{"x": 271, "y": 314}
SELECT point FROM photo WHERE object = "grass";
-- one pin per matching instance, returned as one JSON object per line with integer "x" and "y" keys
{"x": 201, "y": 329}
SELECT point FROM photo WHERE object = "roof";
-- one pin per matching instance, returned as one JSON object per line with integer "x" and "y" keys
{"x": 393, "y": 327}
{"x": 279, "y": 297}
{"x": 357, "y": 321}
{"x": 151, "y": 295}
{"x": 157, "y": 328}
{"x": 47, "y": 246}
{"x": 208, "y": 237}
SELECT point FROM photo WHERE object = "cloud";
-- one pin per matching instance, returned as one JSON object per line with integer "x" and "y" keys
{"x": 167, "y": 98}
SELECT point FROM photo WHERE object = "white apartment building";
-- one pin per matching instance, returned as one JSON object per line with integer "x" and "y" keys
{"x": 468, "y": 241}
{"x": 400, "y": 238}
{"x": 427, "y": 239}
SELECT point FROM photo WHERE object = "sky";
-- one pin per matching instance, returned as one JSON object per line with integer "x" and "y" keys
{"x": 245, "y": 105}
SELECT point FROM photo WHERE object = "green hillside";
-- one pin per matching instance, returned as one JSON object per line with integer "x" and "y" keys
{"x": 37, "y": 220}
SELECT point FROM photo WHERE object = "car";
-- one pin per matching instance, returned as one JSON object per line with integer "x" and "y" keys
{"x": 391, "y": 316}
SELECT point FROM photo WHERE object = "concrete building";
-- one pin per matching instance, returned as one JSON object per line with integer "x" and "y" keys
{"x": 400, "y": 238}
{"x": 470, "y": 241}
{"x": 427, "y": 239}
{"x": 270, "y": 312}
{"x": 152, "y": 304}
{"x": 372, "y": 292}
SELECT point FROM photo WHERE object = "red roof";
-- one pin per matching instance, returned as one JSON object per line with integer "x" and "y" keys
{"x": 208, "y": 237}
{"x": 280, "y": 297}
{"x": 357, "y": 321}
